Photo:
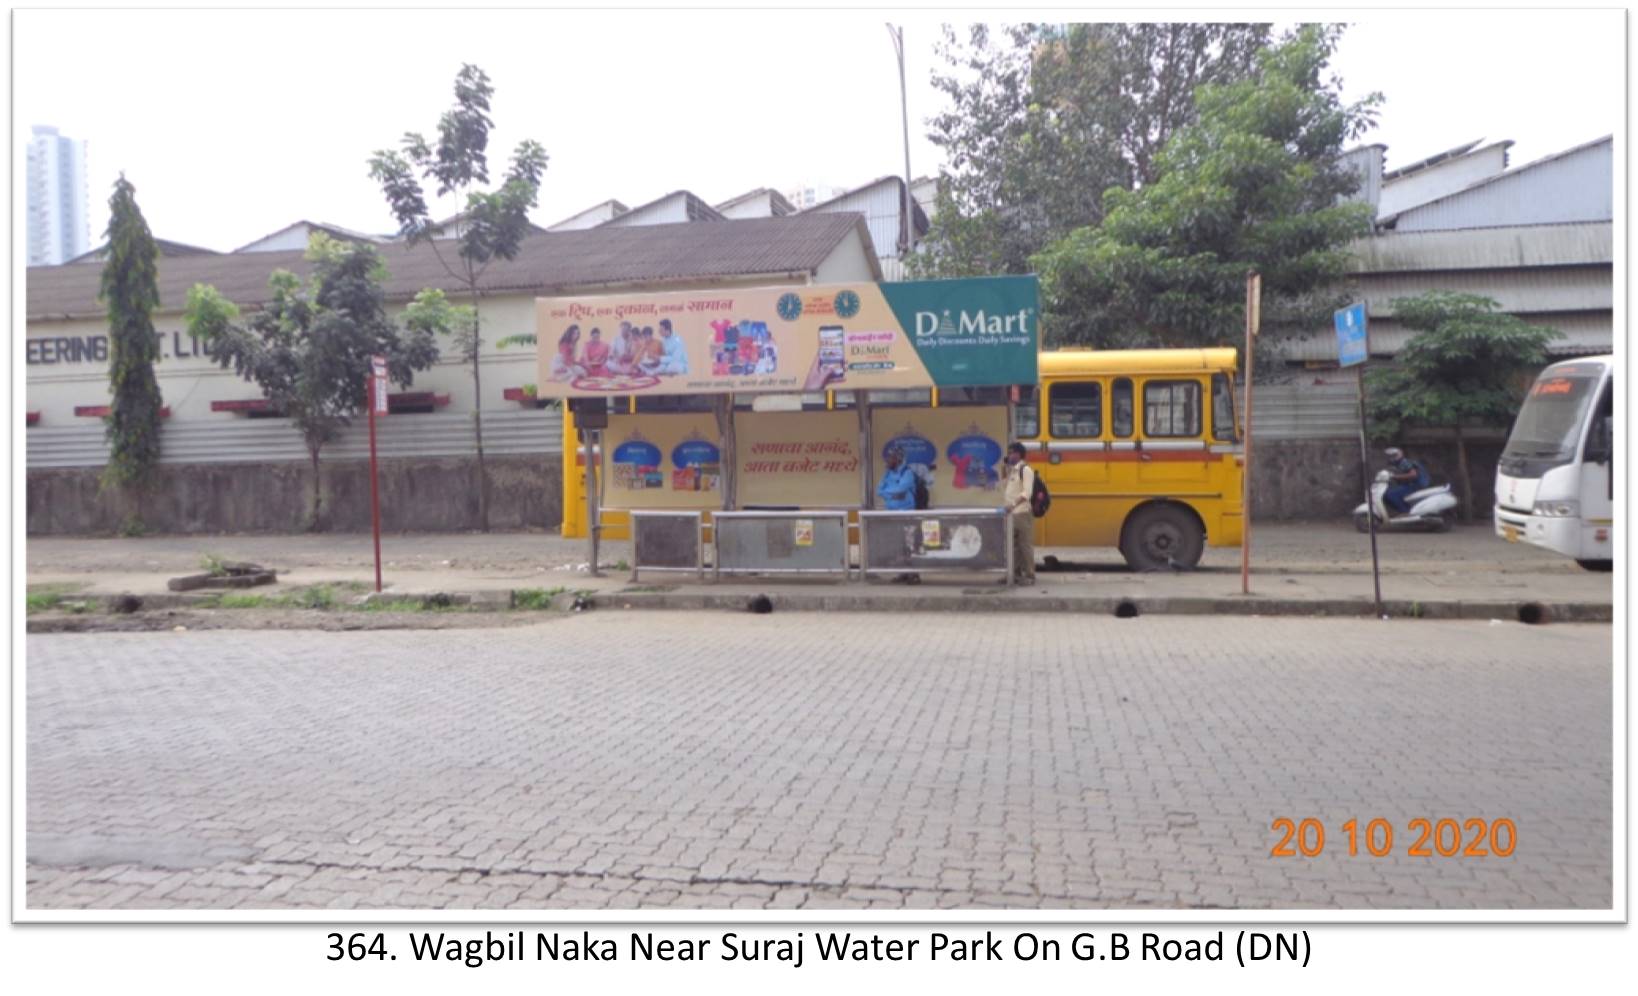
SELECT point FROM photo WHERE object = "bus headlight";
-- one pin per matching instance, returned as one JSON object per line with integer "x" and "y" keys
{"x": 1557, "y": 509}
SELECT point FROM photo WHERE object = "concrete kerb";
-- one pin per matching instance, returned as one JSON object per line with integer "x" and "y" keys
{"x": 1021, "y": 601}
{"x": 1545, "y": 612}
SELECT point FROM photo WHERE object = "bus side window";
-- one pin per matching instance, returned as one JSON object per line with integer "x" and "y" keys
{"x": 1027, "y": 412}
{"x": 1120, "y": 407}
{"x": 1222, "y": 408}
{"x": 1076, "y": 409}
{"x": 1171, "y": 408}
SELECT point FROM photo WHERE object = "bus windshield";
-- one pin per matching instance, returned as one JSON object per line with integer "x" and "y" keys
{"x": 1549, "y": 424}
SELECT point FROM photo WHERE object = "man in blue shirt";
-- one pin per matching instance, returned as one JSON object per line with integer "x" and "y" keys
{"x": 675, "y": 358}
{"x": 898, "y": 493}
{"x": 1408, "y": 476}
{"x": 898, "y": 488}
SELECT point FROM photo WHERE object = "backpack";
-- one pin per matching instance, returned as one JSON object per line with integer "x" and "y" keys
{"x": 1039, "y": 498}
{"x": 923, "y": 499}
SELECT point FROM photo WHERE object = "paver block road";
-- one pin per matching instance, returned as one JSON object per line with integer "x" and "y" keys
{"x": 625, "y": 760}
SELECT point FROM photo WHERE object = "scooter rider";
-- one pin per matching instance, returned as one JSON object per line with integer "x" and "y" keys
{"x": 1408, "y": 476}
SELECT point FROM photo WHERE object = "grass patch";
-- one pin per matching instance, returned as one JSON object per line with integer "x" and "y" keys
{"x": 45, "y": 597}
{"x": 401, "y": 605}
{"x": 319, "y": 597}
{"x": 213, "y": 565}
{"x": 43, "y": 601}
{"x": 535, "y": 598}
{"x": 234, "y": 600}
{"x": 621, "y": 565}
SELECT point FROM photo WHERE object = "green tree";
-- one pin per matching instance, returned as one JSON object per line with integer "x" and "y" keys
{"x": 1042, "y": 119}
{"x": 1255, "y": 183}
{"x": 1467, "y": 365}
{"x": 130, "y": 288}
{"x": 309, "y": 348}
{"x": 490, "y": 226}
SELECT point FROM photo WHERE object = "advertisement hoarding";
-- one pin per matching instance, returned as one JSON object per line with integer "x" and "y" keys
{"x": 791, "y": 339}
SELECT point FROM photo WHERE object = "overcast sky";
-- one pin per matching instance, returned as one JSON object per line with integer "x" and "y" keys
{"x": 233, "y": 124}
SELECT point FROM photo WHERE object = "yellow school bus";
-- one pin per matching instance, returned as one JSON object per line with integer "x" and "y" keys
{"x": 1139, "y": 449}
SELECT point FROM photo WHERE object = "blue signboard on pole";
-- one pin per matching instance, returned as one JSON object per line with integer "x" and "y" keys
{"x": 1353, "y": 345}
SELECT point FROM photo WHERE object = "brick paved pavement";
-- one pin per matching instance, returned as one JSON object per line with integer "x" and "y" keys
{"x": 813, "y": 761}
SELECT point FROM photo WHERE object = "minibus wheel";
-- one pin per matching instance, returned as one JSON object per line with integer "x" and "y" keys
{"x": 1158, "y": 537}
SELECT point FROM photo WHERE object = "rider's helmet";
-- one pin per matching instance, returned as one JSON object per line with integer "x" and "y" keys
{"x": 1394, "y": 452}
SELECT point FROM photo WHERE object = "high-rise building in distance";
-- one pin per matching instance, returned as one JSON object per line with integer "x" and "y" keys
{"x": 58, "y": 228}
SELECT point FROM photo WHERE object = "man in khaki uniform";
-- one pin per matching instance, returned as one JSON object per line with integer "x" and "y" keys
{"x": 1020, "y": 486}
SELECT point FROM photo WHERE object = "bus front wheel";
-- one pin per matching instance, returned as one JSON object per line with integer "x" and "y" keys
{"x": 1161, "y": 537}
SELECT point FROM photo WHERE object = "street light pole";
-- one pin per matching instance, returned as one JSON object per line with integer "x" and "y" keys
{"x": 907, "y": 230}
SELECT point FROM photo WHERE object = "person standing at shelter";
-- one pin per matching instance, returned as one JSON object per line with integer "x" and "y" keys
{"x": 1016, "y": 498}
{"x": 897, "y": 491}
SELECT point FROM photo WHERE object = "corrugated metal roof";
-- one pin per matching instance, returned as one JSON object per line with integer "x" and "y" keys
{"x": 240, "y": 440}
{"x": 1575, "y": 244}
{"x": 1304, "y": 411}
{"x": 546, "y": 262}
{"x": 1583, "y": 334}
{"x": 776, "y": 201}
{"x": 166, "y": 247}
{"x": 1480, "y": 203}
{"x": 335, "y": 231}
{"x": 694, "y": 209}
{"x": 1519, "y": 292}
{"x": 1437, "y": 157}
{"x": 615, "y": 210}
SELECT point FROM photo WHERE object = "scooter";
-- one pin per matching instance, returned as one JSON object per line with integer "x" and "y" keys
{"x": 1431, "y": 509}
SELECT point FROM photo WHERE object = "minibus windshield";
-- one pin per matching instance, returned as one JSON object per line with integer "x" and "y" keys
{"x": 1549, "y": 424}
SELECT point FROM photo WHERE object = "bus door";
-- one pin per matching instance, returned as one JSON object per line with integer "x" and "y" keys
{"x": 1077, "y": 463}
{"x": 1172, "y": 456}
{"x": 1598, "y": 477}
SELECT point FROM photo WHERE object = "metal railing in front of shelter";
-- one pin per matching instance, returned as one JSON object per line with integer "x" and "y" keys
{"x": 936, "y": 540}
{"x": 810, "y": 542}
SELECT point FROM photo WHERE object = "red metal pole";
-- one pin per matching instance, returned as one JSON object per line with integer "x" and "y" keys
{"x": 1254, "y": 290}
{"x": 375, "y": 491}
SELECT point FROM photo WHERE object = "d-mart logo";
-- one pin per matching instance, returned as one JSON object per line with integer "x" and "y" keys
{"x": 929, "y": 323}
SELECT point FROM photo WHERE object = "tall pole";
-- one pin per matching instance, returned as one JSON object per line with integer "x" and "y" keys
{"x": 907, "y": 230}
{"x": 1370, "y": 513}
{"x": 1254, "y": 294}
{"x": 592, "y": 527}
{"x": 378, "y": 373}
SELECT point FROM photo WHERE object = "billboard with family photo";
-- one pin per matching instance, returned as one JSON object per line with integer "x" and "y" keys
{"x": 792, "y": 339}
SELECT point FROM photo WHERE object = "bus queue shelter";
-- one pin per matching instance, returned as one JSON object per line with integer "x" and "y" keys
{"x": 783, "y": 398}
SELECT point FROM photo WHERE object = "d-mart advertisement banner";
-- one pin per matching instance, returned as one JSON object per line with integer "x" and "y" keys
{"x": 662, "y": 461}
{"x": 807, "y": 459}
{"x": 848, "y": 337}
{"x": 961, "y": 447}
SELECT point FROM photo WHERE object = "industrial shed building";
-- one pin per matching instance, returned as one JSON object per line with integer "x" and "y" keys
{"x": 1538, "y": 239}
{"x": 232, "y": 465}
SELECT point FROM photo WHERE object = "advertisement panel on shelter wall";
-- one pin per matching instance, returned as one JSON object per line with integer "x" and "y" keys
{"x": 961, "y": 447}
{"x": 662, "y": 461}
{"x": 846, "y": 337}
{"x": 805, "y": 459}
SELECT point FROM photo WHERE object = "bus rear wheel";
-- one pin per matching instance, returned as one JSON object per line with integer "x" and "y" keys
{"x": 1161, "y": 537}
{"x": 1601, "y": 566}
